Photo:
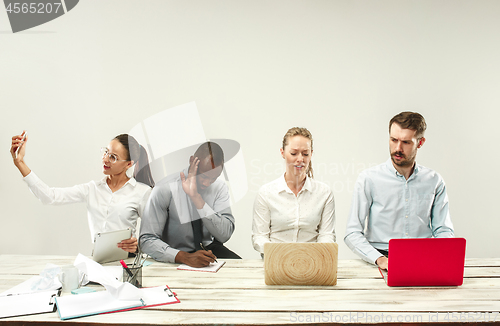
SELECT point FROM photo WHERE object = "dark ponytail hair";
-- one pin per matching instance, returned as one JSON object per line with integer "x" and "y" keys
{"x": 138, "y": 154}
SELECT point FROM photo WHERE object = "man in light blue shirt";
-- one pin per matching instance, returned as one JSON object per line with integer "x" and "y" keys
{"x": 398, "y": 198}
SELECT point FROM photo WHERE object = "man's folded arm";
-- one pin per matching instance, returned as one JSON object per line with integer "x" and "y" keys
{"x": 153, "y": 222}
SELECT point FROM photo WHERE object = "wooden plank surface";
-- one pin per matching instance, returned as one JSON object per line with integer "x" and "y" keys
{"x": 258, "y": 318}
{"x": 237, "y": 294}
{"x": 391, "y": 300}
{"x": 8, "y": 281}
{"x": 11, "y": 263}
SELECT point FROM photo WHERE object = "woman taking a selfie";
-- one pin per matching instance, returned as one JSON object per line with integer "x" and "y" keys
{"x": 113, "y": 203}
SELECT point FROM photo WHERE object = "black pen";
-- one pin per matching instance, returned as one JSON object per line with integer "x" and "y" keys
{"x": 203, "y": 247}
{"x": 130, "y": 274}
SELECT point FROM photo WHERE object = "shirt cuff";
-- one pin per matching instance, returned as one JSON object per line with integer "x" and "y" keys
{"x": 258, "y": 244}
{"x": 31, "y": 179}
{"x": 373, "y": 256}
{"x": 170, "y": 254}
{"x": 205, "y": 211}
{"x": 326, "y": 238}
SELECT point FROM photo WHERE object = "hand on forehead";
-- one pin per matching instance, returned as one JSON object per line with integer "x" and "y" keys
{"x": 207, "y": 167}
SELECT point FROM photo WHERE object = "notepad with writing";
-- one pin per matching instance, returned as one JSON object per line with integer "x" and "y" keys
{"x": 74, "y": 306}
{"x": 212, "y": 268}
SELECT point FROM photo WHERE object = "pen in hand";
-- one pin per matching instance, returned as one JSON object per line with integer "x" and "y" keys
{"x": 203, "y": 247}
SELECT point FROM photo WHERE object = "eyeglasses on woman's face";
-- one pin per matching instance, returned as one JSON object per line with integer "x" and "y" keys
{"x": 112, "y": 157}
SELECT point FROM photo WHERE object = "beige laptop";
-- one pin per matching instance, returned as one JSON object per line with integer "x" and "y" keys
{"x": 301, "y": 263}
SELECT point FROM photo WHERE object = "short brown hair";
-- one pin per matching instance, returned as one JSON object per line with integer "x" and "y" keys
{"x": 410, "y": 120}
{"x": 297, "y": 131}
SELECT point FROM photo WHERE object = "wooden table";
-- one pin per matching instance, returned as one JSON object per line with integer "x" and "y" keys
{"x": 238, "y": 295}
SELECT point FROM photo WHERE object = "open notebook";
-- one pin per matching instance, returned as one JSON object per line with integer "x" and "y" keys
{"x": 213, "y": 267}
{"x": 425, "y": 262}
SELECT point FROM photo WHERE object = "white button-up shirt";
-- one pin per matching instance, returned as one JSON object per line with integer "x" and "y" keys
{"x": 280, "y": 216}
{"x": 106, "y": 210}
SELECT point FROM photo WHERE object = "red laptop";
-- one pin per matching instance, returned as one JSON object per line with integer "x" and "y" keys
{"x": 425, "y": 262}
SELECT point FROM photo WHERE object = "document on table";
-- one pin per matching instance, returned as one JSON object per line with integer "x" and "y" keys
{"x": 213, "y": 267}
{"x": 74, "y": 306}
{"x": 28, "y": 304}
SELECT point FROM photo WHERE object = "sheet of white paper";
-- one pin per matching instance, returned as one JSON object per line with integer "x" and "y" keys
{"x": 47, "y": 280}
{"x": 116, "y": 271}
{"x": 213, "y": 267}
{"x": 97, "y": 273}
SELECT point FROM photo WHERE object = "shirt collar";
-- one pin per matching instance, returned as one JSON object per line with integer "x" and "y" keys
{"x": 130, "y": 181}
{"x": 395, "y": 172}
{"x": 307, "y": 185}
{"x": 391, "y": 167}
{"x": 282, "y": 186}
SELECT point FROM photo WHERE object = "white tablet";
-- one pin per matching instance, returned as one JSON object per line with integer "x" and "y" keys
{"x": 105, "y": 246}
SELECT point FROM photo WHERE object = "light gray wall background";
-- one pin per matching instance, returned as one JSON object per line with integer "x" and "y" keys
{"x": 255, "y": 69}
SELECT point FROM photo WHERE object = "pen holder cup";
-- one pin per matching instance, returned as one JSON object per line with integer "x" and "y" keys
{"x": 136, "y": 278}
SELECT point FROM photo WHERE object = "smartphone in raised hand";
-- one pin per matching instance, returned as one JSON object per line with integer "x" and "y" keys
{"x": 25, "y": 133}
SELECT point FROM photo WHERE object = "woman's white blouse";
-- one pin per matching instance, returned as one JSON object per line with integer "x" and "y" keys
{"x": 280, "y": 216}
{"x": 106, "y": 210}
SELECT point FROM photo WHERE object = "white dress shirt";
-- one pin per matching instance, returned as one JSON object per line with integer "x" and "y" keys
{"x": 280, "y": 216}
{"x": 106, "y": 210}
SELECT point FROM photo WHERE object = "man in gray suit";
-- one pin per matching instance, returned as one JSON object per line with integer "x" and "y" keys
{"x": 187, "y": 219}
